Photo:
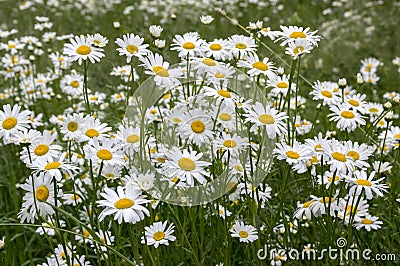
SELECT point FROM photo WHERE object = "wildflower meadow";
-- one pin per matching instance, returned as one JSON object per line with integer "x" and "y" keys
{"x": 199, "y": 132}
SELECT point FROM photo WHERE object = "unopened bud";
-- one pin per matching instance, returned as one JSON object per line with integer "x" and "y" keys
{"x": 280, "y": 71}
{"x": 396, "y": 100}
{"x": 360, "y": 79}
{"x": 387, "y": 105}
{"x": 342, "y": 83}
{"x": 116, "y": 25}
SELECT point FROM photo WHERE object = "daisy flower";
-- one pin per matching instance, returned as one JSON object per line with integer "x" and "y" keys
{"x": 245, "y": 233}
{"x": 157, "y": 67}
{"x": 47, "y": 228}
{"x": 357, "y": 102}
{"x": 221, "y": 75}
{"x": 346, "y": 117}
{"x": 52, "y": 167}
{"x": 189, "y": 44}
{"x": 13, "y": 120}
{"x": 155, "y": 30}
{"x": 222, "y": 211}
{"x": 265, "y": 116}
{"x": 217, "y": 49}
{"x": 222, "y": 94}
{"x": 257, "y": 66}
{"x": 347, "y": 207}
{"x": 131, "y": 45}
{"x": 206, "y": 19}
{"x": 369, "y": 222}
{"x": 158, "y": 234}
{"x": 186, "y": 166}
{"x": 299, "y": 47}
{"x": 359, "y": 152}
{"x": 204, "y": 65}
{"x": 225, "y": 116}
{"x": 72, "y": 84}
{"x": 42, "y": 147}
{"x": 304, "y": 209}
{"x": 92, "y": 128}
{"x": 129, "y": 138}
{"x": 97, "y": 40}
{"x": 197, "y": 128}
{"x": 362, "y": 182}
{"x": 232, "y": 143}
{"x": 296, "y": 154}
{"x": 280, "y": 84}
{"x": 79, "y": 260}
{"x": 320, "y": 205}
{"x": 107, "y": 152}
{"x": 326, "y": 91}
{"x": 292, "y": 33}
{"x": 81, "y": 48}
{"x": 71, "y": 126}
{"x": 126, "y": 204}
{"x": 241, "y": 45}
{"x": 335, "y": 154}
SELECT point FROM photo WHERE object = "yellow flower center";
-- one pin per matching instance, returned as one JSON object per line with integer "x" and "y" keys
{"x": 83, "y": 50}
{"x": 260, "y": 66}
{"x": 133, "y": 138}
{"x": 326, "y": 200}
{"x": 9, "y": 123}
{"x": 353, "y": 154}
{"x": 367, "y": 221}
{"x": 160, "y": 71}
{"x": 198, "y": 126}
{"x": 282, "y": 85}
{"x": 314, "y": 160}
{"x": 241, "y": 45}
{"x": 132, "y": 49}
{"x": 175, "y": 179}
{"x": 327, "y": 94}
{"x": 224, "y": 93}
{"x": 11, "y": 46}
{"x": 209, "y": 62}
{"x": 292, "y": 155}
{"x": 158, "y": 236}
{"x": 91, "y": 133}
{"x": 215, "y": 47}
{"x": 297, "y": 34}
{"x": 109, "y": 176}
{"x": 229, "y": 143}
{"x": 330, "y": 179}
{"x": 307, "y": 204}
{"x": 318, "y": 148}
{"x": 74, "y": 84}
{"x": 188, "y": 45}
{"x": 243, "y": 234}
{"x": 86, "y": 233}
{"x": 41, "y": 150}
{"x": 124, "y": 203}
{"x": 104, "y": 154}
{"x": 347, "y": 114}
{"x": 397, "y": 136}
{"x": 266, "y": 119}
{"x": 52, "y": 166}
{"x": 373, "y": 110}
{"x": 186, "y": 164}
{"x": 42, "y": 193}
{"x": 351, "y": 209}
{"x": 176, "y": 120}
{"x": 353, "y": 102}
{"x": 339, "y": 156}
{"x": 363, "y": 182}
{"x": 219, "y": 75}
{"x": 225, "y": 117}
{"x": 298, "y": 50}
{"x": 72, "y": 126}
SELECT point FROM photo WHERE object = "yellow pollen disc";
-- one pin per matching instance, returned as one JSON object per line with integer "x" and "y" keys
{"x": 9, "y": 123}
{"x": 282, "y": 85}
{"x": 327, "y": 94}
{"x": 109, "y": 176}
{"x": 161, "y": 159}
{"x": 124, "y": 203}
{"x": 132, "y": 138}
{"x": 62, "y": 254}
{"x": 167, "y": 96}
{"x": 86, "y": 233}
{"x": 351, "y": 209}
{"x": 298, "y": 50}
{"x": 353, "y": 154}
{"x": 367, "y": 221}
{"x": 367, "y": 68}
{"x": 209, "y": 62}
{"x": 42, "y": 193}
{"x": 297, "y": 34}
{"x": 339, "y": 156}
{"x": 397, "y": 136}
{"x": 52, "y": 166}
{"x": 220, "y": 212}
{"x": 132, "y": 49}
{"x": 243, "y": 234}
{"x": 353, "y": 102}
{"x": 158, "y": 236}
{"x": 224, "y": 93}
{"x": 330, "y": 179}
{"x": 186, "y": 164}
{"x": 229, "y": 143}
{"x": 314, "y": 160}
{"x": 11, "y": 46}
{"x": 318, "y": 148}
{"x": 153, "y": 111}
{"x": 266, "y": 119}
{"x": 83, "y": 50}
{"x": 363, "y": 182}
{"x": 188, "y": 45}
{"x": 104, "y": 154}
{"x": 373, "y": 110}
{"x": 307, "y": 204}
{"x": 91, "y": 133}
{"x": 292, "y": 154}
{"x": 219, "y": 75}
{"x": 176, "y": 120}
{"x": 225, "y": 117}
{"x": 94, "y": 98}
{"x": 347, "y": 114}
{"x": 160, "y": 71}
{"x": 215, "y": 47}
{"x": 327, "y": 199}
{"x": 239, "y": 168}
{"x": 75, "y": 197}
{"x": 175, "y": 179}
{"x": 241, "y": 45}
{"x": 260, "y": 66}
{"x": 74, "y": 84}
{"x": 297, "y": 125}
{"x": 198, "y": 126}
{"x": 41, "y": 150}
{"x": 72, "y": 126}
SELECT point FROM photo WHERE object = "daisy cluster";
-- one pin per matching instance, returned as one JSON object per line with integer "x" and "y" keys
{"x": 202, "y": 125}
